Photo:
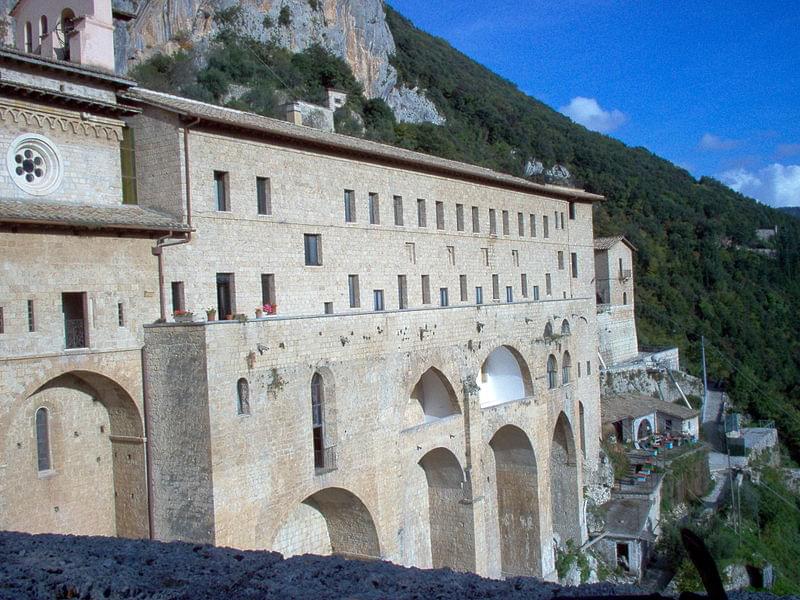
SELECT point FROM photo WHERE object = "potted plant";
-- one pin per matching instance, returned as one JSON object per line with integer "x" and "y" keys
{"x": 211, "y": 313}
{"x": 259, "y": 312}
{"x": 183, "y": 316}
{"x": 270, "y": 309}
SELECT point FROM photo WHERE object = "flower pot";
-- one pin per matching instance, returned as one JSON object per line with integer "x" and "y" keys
{"x": 211, "y": 315}
{"x": 259, "y": 313}
{"x": 229, "y": 317}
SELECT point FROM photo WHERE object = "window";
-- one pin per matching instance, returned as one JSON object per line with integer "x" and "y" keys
{"x": 459, "y": 217}
{"x": 506, "y": 226}
{"x": 545, "y": 227}
{"x": 221, "y": 190}
{"x": 548, "y": 330}
{"x": 422, "y": 219}
{"x": 523, "y": 282}
{"x": 495, "y": 287}
{"x": 328, "y": 307}
{"x": 226, "y": 295}
{"x": 566, "y": 365}
{"x": 536, "y": 292}
{"x": 574, "y": 260}
{"x": 398, "y": 211}
{"x": 43, "y": 461}
{"x": 2, "y": 321}
{"x": 562, "y": 220}
{"x": 515, "y": 257}
{"x": 443, "y": 299}
{"x": 402, "y": 292}
{"x": 552, "y": 371}
{"x": 349, "y": 206}
{"x": 451, "y": 255}
{"x": 263, "y": 196}
{"x": 411, "y": 252}
{"x": 353, "y": 291}
{"x": 571, "y": 211}
{"x": 478, "y": 295}
{"x": 548, "y": 284}
{"x": 43, "y": 27}
{"x": 439, "y": 215}
{"x": 242, "y": 397}
{"x": 178, "y": 297}
{"x": 73, "y": 305}
{"x": 485, "y": 256}
{"x": 624, "y": 298}
{"x": 31, "y": 317}
{"x": 492, "y": 222}
{"x": 476, "y": 220}
{"x": 377, "y": 298}
{"x": 317, "y": 433}
{"x": 579, "y": 369}
{"x": 268, "y": 288}
{"x": 520, "y": 224}
{"x": 313, "y": 251}
{"x": 509, "y": 294}
{"x": 555, "y": 219}
{"x": 374, "y": 209}
{"x": 588, "y": 368}
{"x": 462, "y": 284}
{"x": 426, "y": 289}
{"x": 533, "y": 225}
{"x": 127, "y": 156}
{"x": 28, "y": 37}
{"x": 120, "y": 314}
{"x": 565, "y": 329}
{"x": 560, "y": 260}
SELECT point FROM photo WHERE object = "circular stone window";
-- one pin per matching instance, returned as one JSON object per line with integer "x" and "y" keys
{"x": 34, "y": 164}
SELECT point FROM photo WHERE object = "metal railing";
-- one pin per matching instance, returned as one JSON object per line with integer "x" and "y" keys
{"x": 75, "y": 333}
{"x": 325, "y": 460}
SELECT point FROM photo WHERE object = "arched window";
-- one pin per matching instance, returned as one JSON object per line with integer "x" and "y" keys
{"x": 317, "y": 403}
{"x": 43, "y": 440}
{"x": 624, "y": 297}
{"x": 42, "y": 27}
{"x": 548, "y": 330}
{"x": 28, "y": 37}
{"x": 67, "y": 27}
{"x": 566, "y": 365}
{"x": 243, "y": 397}
{"x": 552, "y": 371}
{"x": 565, "y": 327}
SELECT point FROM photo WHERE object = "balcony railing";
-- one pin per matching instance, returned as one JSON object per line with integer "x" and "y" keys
{"x": 75, "y": 333}
{"x": 325, "y": 460}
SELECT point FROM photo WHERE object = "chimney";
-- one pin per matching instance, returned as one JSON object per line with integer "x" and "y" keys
{"x": 336, "y": 99}
{"x": 293, "y": 113}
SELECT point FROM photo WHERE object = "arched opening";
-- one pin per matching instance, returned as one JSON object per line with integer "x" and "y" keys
{"x": 582, "y": 420}
{"x": 565, "y": 496}
{"x": 83, "y": 470}
{"x": 645, "y": 430}
{"x": 451, "y": 521}
{"x": 504, "y": 377}
{"x": 323, "y": 420}
{"x": 517, "y": 503}
{"x": 331, "y": 521}
{"x": 565, "y": 330}
{"x": 552, "y": 372}
{"x": 43, "y": 30}
{"x": 28, "y": 37}
{"x": 67, "y": 27}
{"x": 317, "y": 422}
{"x": 566, "y": 369}
{"x": 625, "y": 297}
{"x": 548, "y": 330}
{"x": 432, "y": 398}
{"x": 242, "y": 397}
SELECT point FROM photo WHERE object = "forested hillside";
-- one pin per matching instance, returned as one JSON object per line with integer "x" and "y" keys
{"x": 695, "y": 273}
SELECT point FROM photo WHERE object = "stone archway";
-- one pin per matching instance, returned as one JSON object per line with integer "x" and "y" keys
{"x": 504, "y": 377}
{"x": 451, "y": 520}
{"x": 517, "y": 503}
{"x": 330, "y": 521}
{"x": 565, "y": 496}
{"x": 432, "y": 398}
{"x": 96, "y": 482}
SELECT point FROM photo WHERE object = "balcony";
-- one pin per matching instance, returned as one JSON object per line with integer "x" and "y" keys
{"x": 325, "y": 460}
{"x": 75, "y": 333}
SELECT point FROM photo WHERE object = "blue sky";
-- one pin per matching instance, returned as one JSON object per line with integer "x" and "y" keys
{"x": 712, "y": 86}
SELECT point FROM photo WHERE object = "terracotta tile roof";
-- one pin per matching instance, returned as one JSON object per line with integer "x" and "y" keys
{"x": 622, "y": 406}
{"x": 605, "y": 243}
{"x": 89, "y": 216}
{"x": 342, "y": 143}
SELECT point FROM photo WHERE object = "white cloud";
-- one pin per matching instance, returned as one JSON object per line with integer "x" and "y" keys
{"x": 709, "y": 141}
{"x": 591, "y": 115}
{"x": 776, "y": 184}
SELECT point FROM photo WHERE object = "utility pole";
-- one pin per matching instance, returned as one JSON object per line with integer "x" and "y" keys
{"x": 705, "y": 376}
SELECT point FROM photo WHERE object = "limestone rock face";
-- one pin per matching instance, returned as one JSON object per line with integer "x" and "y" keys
{"x": 355, "y": 30}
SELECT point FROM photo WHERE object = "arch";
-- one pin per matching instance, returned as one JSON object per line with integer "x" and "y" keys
{"x": 504, "y": 377}
{"x": 565, "y": 329}
{"x": 548, "y": 330}
{"x": 28, "y": 37}
{"x": 517, "y": 503}
{"x": 330, "y": 521}
{"x": 92, "y": 431}
{"x": 644, "y": 430}
{"x": 66, "y": 24}
{"x": 582, "y": 422}
{"x": 242, "y": 397}
{"x": 565, "y": 495}
{"x": 566, "y": 368}
{"x": 552, "y": 372}
{"x": 43, "y": 31}
{"x": 451, "y": 520}
{"x": 317, "y": 419}
{"x": 432, "y": 398}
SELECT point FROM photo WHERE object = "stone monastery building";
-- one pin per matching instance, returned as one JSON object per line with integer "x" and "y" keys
{"x": 422, "y": 386}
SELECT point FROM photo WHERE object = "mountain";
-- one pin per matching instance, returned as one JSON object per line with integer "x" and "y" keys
{"x": 791, "y": 210}
{"x": 695, "y": 275}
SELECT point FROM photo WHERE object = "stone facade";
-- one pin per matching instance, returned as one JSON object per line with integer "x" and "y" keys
{"x": 616, "y": 319}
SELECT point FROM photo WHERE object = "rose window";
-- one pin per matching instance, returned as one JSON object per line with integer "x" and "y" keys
{"x": 34, "y": 164}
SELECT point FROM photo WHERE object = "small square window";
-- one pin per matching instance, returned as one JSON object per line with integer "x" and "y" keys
{"x": 328, "y": 308}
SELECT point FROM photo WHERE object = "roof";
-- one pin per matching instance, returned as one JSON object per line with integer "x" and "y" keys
{"x": 632, "y": 406}
{"x": 365, "y": 149}
{"x": 89, "y": 216}
{"x": 96, "y": 73}
{"x": 605, "y": 243}
{"x": 627, "y": 518}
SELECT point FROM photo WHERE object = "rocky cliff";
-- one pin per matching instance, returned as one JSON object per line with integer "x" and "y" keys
{"x": 355, "y": 30}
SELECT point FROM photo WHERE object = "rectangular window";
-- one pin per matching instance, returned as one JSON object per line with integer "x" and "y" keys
{"x": 571, "y": 211}
{"x": 459, "y": 217}
{"x": 349, "y": 206}
{"x": 440, "y": 215}
{"x": 443, "y": 299}
{"x": 562, "y": 220}
{"x": 536, "y": 292}
{"x": 506, "y": 226}
{"x": 462, "y": 283}
{"x": 545, "y": 227}
{"x": 120, "y": 314}
{"x": 451, "y": 255}
{"x": 398, "y": 211}
{"x": 402, "y": 292}
{"x": 495, "y": 287}
{"x": 411, "y": 252}
{"x": 377, "y": 297}
{"x": 560, "y": 260}
{"x": 533, "y": 225}
{"x": 313, "y": 250}
{"x": 374, "y": 209}
{"x": 548, "y": 284}
{"x": 263, "y": 196}
{"x": 515, "y": 257}
{"x": 221, "y": 190}
{"x": 588, "y": 368}
{"x": 226, "y": 295}
{"x": 485, "y": 256}
{"x": 268, "y": 288}
{"x": 31, "y": 317}
{"x": 178, "y": 297}
{"x": 492, "y": 222}
{"x": 353, "y": 291}
{"x": 579, "y": 369}
{"x": 478, "y": 295}
{"x": 2, "y": 321}
{"x": 520, "y": 224}
{"x": 422, "y": 218}
{"x": 509, "y": 293}
{"x": 328, "y": 307}
{"x": 555, "y": 221}
{"x": 523, "y": 284}
{"x": 127, "y": 155}
{"x": 476, "y": 220}
{"x": 426, "y": 289}
{"x": 574, "y": 259}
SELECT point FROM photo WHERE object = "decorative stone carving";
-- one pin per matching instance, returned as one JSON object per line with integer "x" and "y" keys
{"x": 60, "y": 123}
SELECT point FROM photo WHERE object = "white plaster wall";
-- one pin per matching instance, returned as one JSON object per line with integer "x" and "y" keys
{"x": 501, "y": 379}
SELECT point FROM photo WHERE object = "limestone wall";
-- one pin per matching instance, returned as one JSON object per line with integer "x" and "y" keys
{"x": 616, "y": 332}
